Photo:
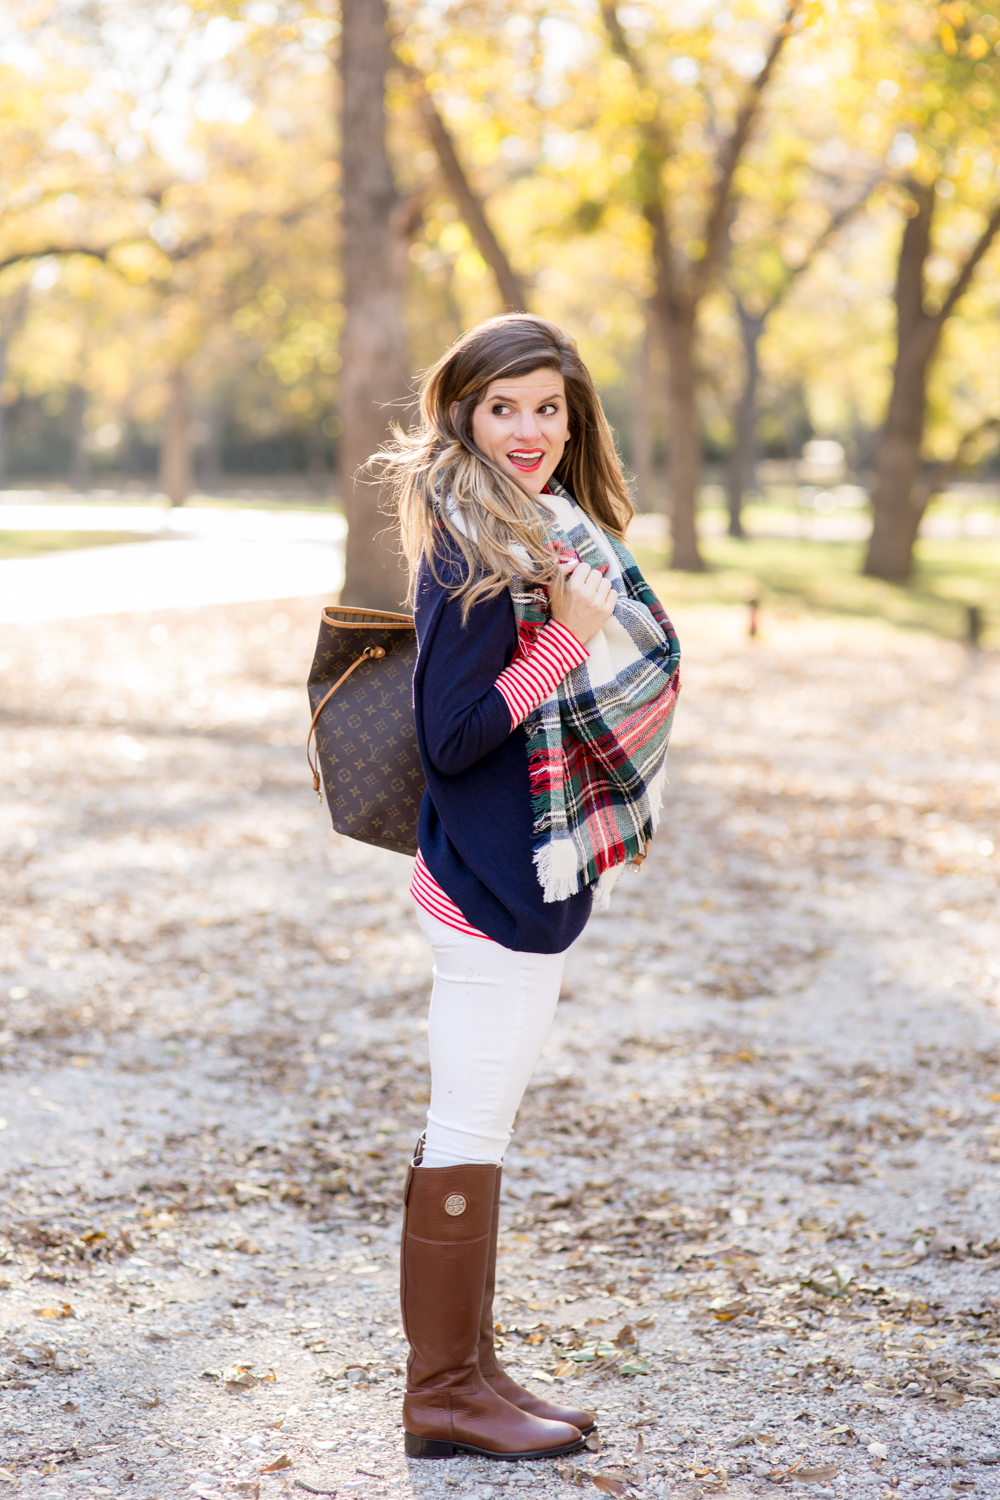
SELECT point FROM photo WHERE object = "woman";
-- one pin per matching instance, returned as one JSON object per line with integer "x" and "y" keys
{"x": 544, "y": 691}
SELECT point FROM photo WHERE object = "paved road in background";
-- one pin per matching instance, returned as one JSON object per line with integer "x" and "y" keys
{"x": 200, "y": 556}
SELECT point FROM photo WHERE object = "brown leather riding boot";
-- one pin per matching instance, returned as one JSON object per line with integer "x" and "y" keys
{"x": 493, "y": 1373}
{"x": 448, "y": 1407}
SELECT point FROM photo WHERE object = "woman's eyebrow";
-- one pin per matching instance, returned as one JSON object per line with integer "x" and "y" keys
{"x": 506, "y": 396}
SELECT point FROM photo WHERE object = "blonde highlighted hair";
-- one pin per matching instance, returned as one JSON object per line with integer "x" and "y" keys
{"x": 451, "y": 498}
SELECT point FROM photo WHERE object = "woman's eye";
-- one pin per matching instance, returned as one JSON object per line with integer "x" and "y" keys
{"x": 549, "y": 409}
{"x": 500, "y": 410}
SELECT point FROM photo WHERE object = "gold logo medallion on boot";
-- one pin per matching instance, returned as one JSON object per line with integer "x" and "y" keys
{"x": 455, "y": 1205}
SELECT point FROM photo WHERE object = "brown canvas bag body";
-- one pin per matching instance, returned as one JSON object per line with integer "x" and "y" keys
{"x": 361, "y": 697}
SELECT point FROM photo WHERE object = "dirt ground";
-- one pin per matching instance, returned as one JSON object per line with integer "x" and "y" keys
{"x": 752, "y": 1209}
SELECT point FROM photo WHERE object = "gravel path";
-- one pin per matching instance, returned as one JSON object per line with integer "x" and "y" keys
{"x": 752, "y": 1204}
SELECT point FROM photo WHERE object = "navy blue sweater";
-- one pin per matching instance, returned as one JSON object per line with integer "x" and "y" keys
{"x": 475, "y": 829}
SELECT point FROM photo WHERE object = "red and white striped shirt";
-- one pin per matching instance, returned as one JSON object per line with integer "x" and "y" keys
{"x": 527, "y": 682}
{"x": 532, "y": 678}
{"x": 427, "y": 893}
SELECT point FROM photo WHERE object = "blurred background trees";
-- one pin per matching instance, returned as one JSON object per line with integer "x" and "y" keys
{"x": 231, "y": 232}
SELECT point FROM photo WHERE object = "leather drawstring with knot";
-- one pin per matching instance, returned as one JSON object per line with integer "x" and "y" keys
{"x": 370, "y": 653}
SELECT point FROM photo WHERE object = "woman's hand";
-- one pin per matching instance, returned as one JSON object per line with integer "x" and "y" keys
{"x": 588, "y": 600}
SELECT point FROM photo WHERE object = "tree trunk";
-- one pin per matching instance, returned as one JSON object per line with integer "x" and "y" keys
{"x": 373, "y": 346}
{"x": 79, "y": 459}
{"x": 4, "y": 343}
{"x": 897, "y": 500}
{"x": 13, "y": 310}
{"x": 741, "y": 460}
{"x": 897, "y": 456}
{"x": 642, "y": 429}
{"x": 175, "y": 447}
{"x": 684, "y": 462}
{"x": 210, "y": 454}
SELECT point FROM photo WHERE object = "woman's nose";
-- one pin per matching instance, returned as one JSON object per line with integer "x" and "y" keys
{"x": 527, "y": 426}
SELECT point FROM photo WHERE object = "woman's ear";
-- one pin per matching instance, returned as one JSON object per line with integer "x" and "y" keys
{"x": 453, "y": 408}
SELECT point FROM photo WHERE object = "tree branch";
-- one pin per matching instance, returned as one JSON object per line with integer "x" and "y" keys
{"x": 835, "y": 224}
{"x": 961, "y": 283}
{"x": 913, "y": 255}
{"x": 467, "y": 201}
{"x": 730, "y": 153}
{"x": 942, "y": 473}
{"x": 658, "y": 150}
{"x": 655, "y": 129}
{"x": 46, "y": 250}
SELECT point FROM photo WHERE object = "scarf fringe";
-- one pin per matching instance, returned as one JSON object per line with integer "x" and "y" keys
{"x": 605, "y": 885}
{"x": 558, "y": 869}
{"x": 655, "y": 795}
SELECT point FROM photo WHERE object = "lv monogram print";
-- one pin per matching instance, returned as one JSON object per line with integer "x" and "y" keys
{"x": 365, "y": 740}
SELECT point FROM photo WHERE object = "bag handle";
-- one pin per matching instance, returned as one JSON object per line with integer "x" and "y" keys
{"x": 370, "y": 653}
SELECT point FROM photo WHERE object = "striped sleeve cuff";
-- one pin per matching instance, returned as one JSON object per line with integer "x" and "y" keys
{"x": 532, "y": 678}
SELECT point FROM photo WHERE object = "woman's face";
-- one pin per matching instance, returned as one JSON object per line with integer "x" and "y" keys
{"x": 522, "y": 425}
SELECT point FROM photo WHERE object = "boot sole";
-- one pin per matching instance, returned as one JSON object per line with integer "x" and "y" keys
{"x": 418, "y": 1447}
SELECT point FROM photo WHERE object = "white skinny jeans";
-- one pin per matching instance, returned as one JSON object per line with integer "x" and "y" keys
{"x": 491, "y": 1010}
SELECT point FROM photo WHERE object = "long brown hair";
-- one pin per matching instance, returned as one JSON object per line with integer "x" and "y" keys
{"x": 446, "y": 488}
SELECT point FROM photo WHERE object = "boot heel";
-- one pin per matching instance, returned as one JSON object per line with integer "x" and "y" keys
{"x": 418, "y": 1447}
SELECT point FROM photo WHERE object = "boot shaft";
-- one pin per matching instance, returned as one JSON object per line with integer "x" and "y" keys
{"x": 447, "y": 1221}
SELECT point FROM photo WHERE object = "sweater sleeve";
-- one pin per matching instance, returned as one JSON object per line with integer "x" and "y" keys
{"x": 532, "y": 678}
{"x": 465, "y": 715}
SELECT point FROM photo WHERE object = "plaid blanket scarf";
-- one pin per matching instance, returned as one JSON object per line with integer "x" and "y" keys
{"x": 597, "y": 747}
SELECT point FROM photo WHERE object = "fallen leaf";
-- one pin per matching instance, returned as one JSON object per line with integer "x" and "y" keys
{"x": 593, "y": 1442}
{"x": 10, "y": 1477}
{"x": 608, "y": 1485}
{"x": 248, "y": 1246}
{"x": 284, "y": 1462}
{"x": 640, "y": 1447}
{"x": 62, "y": 1311}
{"x": 818, "y": 1475}
{"x": 625, "y": 1338}
{"x": 634, "y": 1367}
{"x": 572, "y": 1475}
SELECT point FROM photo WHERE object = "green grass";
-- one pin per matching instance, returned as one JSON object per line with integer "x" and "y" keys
{"x": 31, "y": 543}
{"x": 824, "y": 577}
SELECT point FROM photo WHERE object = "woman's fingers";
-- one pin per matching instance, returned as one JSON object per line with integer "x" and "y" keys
{"x": 588, "y": 600}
